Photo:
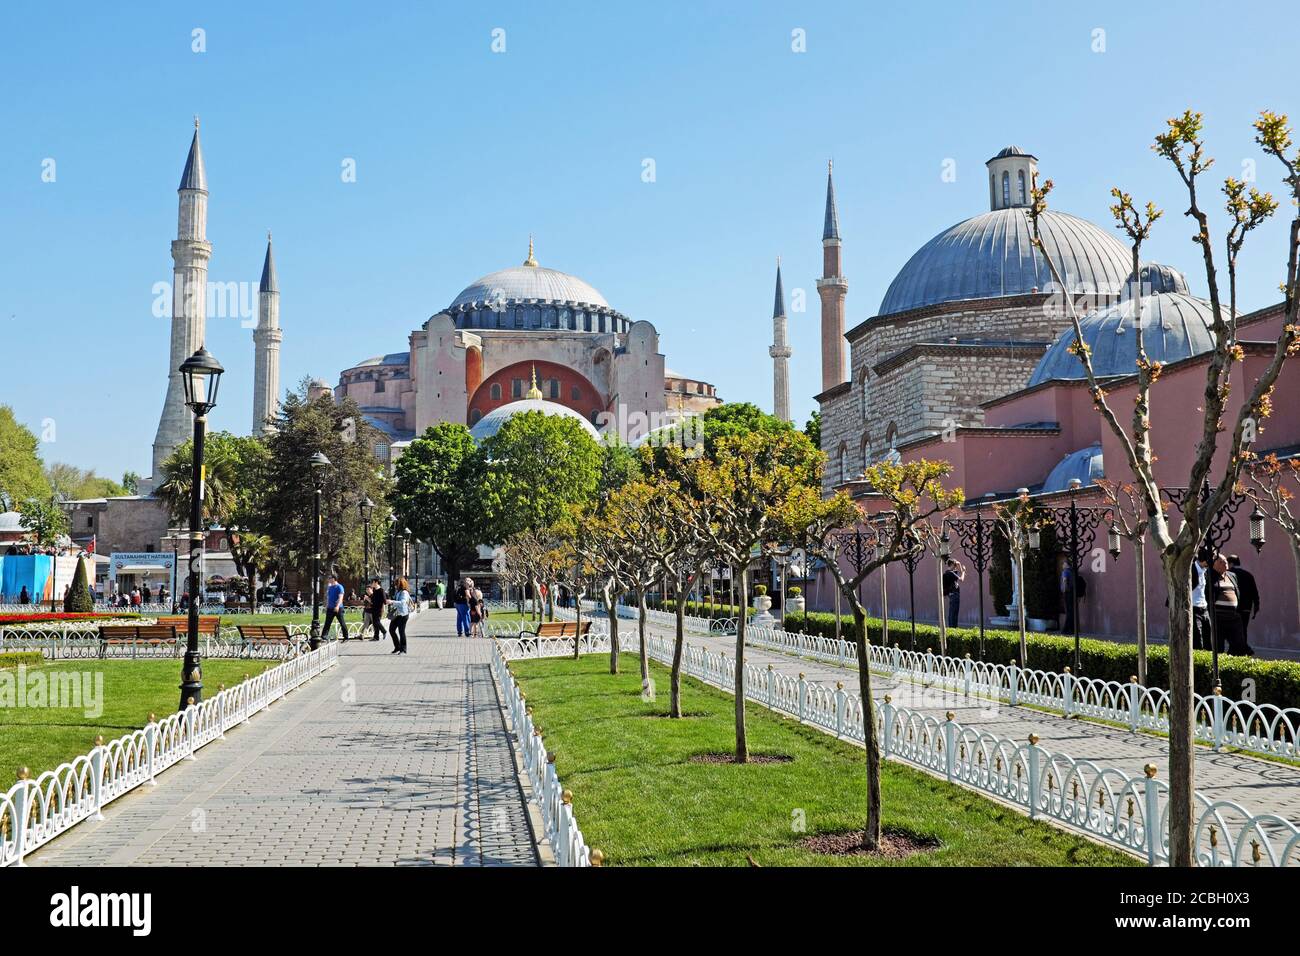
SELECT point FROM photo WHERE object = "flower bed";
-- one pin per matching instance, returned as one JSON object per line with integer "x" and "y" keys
{"x": 50, "y": 618}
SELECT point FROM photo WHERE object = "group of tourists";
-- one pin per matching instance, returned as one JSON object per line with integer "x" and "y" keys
{"x": 1225, "y": 599}
{"x": 375, "y": 606}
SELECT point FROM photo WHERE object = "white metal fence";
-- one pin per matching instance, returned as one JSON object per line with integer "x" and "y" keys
{"x": 33, "y": 812}
{"x": 554, "y": 802}
{"x": 79, "y": 640}
{"x": 1103, "y": 802}
{"x": 1219, "y": 721}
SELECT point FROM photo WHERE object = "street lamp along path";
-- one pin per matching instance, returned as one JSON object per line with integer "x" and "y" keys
{"x": 201, "y": 377}
{"x": 319, "y": 463}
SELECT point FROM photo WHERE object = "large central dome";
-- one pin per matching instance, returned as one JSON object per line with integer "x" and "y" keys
{"x": 992, "y": 255}
{"x": 528, "y": 297}
{"x": 529, "y": 282}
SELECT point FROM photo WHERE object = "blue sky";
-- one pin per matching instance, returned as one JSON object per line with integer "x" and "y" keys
{"x": 462, "y": 152}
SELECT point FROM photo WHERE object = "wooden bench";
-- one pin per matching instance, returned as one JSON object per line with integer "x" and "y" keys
{"x": 143, "y": 635}
{"x": 560, "y": 629}
{"x": 262, "y": 635}
{"x": 209, "y": 625}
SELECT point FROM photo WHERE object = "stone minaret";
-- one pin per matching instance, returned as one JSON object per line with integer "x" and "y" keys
{"x": 832, "y": 287}
{"x": 780, "y": 353}
{"x": 190, "y": 254}
{"x": 266, "y": 348}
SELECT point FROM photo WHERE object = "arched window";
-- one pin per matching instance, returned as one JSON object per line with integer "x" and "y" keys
{"x": 496, "y": 391}
{"x": 1023, "y": 195}
{"x": 844, "y": 463}
{"x": 866, "y": 453}
{"x": 862, "y": 393}
{"x": 474, "y": 416}
{"x": 1006, "y": 190}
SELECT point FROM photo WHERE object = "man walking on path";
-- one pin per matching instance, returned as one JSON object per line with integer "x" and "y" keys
{"x": 378, "y": 600}
{"x": 334, "y": 607}
{"x": 440, "y": 592}
{"x": 1247, "y": 598}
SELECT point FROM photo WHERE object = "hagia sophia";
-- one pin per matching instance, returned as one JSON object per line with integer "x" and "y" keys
{"x": 524, "y": 338}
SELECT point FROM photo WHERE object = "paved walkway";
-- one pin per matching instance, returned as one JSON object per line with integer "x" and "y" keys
{"x": 1258, "y": 785}
{"x": 383, "y": 760}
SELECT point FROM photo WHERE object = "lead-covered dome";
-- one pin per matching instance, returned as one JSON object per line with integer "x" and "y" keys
{"x": 492, "y": 422}
{"x": 992, "y": 255}
{"x": 521, "y": 283}
{"x": 529, "y": 297}
{"x": 1175, "y": 326}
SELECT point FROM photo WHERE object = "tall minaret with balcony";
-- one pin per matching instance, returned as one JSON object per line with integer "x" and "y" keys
{"x": 190, "y": 254}
{"x": 832, "y": 287}
{"x": 266, "y": 348}
{"x": 780, "y": 352}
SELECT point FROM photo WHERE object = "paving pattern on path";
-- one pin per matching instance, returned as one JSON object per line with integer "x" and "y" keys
{"x": 1260, "y": 786}
{"x": 383, "y": 760}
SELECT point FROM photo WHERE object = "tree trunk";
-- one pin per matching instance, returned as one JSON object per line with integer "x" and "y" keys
{"x": 1182, "y": 754}
{"x": 640, "y": 627}
{"x": 742, "y": 745}
{"x": 613, "y": 628}
{"x": 675, "y": 701}
{"x": 577, "y": 630}
{"x": 1020, "y": 607}
{"x": 1140, "y": 556}
{"x": 871, "y": 836}
{"x": 1295, "y": 558}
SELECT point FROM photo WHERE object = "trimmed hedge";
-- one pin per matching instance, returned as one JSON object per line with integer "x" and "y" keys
{"x": 1276, "y": 682}
{"x": 14, "y": 658}
{"x": 695, "y": 608}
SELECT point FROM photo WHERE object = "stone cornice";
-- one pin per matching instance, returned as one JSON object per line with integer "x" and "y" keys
{"x": 999, "y": 349}
{"x": 835, "y": 391}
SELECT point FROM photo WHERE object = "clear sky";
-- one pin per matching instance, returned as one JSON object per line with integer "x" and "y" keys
{"x": 461, "y": 152}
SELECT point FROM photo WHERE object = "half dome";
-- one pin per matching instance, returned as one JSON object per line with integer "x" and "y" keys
{"x": 493, "y": 421}
{"x": 992, "y": 255}
{"x": 1175, "y": 326}
{"x": 1086, "y": 464}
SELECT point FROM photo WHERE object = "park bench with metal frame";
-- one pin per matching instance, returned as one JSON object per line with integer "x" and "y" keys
{"x": 136, "y": 635}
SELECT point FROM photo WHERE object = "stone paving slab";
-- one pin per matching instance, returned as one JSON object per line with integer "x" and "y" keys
{"x": 1260, "y": 786}
{"x": 383, "y": 760}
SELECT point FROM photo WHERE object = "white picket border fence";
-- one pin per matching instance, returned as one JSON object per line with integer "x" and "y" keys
{"x": 33, "y": 812}
{"x": 1103, "y": 802}
{"x": 554, "y": 802}
{"x": 1219, "y": 721}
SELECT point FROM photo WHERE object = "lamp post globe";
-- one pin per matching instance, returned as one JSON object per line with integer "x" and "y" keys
{"x": 319, "y": 464}
{"x": 201, "y": 377}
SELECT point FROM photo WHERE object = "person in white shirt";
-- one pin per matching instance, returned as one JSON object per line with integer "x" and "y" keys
{"x": 1200, "y": 606}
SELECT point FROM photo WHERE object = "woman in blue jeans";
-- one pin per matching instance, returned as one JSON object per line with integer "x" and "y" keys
{"x": 463, "y": 597}
{"x": 401, "y": 610}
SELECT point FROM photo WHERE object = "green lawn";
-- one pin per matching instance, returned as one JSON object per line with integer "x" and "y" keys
{"x": 41, "y": 738}
{"x": 639, "y": 800}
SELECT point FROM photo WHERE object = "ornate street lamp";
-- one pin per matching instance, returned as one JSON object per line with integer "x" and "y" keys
{"x": 976, "y": 536}
{"x": 1080, "y": 525}
{"x": 201, "y": 376}
{"x": 392, "y": 569}
{"x": 365, "y": 507}
{"x": 1257, "y": 529}
{"x": 1113, "y": 540}
{"x": 319, "y": 463}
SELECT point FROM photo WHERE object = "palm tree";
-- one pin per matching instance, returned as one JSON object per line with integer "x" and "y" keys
{"x": 218, "y": 497}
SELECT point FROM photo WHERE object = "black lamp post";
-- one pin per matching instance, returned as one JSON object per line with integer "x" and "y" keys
{"x": 976, "y": 536}
{"x": 406, "y": 549}
{"x": 392, "y": 560}
{"x": 366, "y": 506}
{"x": 201, "y": 376}
{"x": 318, "y": 465}
{"x": 911, "y": 561}
{"x": 1257, "y": 529}
{"x": 1080, "y": 525}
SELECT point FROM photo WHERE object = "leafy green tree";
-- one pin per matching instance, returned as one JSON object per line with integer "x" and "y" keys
{"x": 21, "y": 476}
{"x": 44, "y": 519}
{"x": 284, "y": 505}
{"x": 439, "y": 494}
{"x": 915, "y": 494}
{"x": 78, "y": 599}
{"x": 813, "y": 428}
{"x": 130, "y": 482}
{"x": 537, "y": 466}
{"x": 70, "y": 483}
{"x": 743, "y": 487}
